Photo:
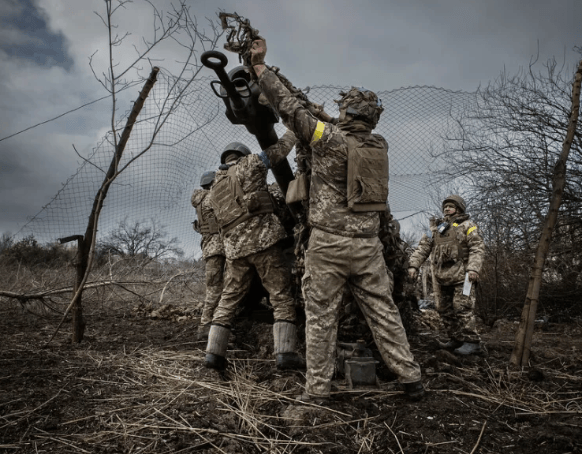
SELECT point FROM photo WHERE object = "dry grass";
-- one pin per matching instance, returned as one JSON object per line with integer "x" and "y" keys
{"x": 153, "y": 400}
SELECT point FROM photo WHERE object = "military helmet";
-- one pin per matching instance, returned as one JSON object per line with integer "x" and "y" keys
{"x": 207, "y": 178}
{"x": 362, "y": 104}
{"x": 458, "y": 201}
{"x": 234, "y": 147}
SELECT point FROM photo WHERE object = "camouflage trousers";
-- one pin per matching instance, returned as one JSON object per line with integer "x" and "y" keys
{"x": 457, "y": 313}
{"x": 275, "y": 276}
{"x": 214, "y": 281}
{"x": 331, "y": 263}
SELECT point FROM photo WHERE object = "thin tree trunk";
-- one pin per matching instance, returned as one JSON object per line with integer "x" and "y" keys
{"x": 86, "y": 244}
{"x": 523, "y": 339}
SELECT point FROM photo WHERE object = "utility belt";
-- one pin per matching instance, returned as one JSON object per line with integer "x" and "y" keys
{"x": 347, "y": 234}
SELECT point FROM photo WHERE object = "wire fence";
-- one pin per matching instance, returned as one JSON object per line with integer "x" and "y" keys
{"x": 158, "y": 185}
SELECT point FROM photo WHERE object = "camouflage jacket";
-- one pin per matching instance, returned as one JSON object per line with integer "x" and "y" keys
{"x": 463, "y": 251}
{"x": 264, "y": 230}
{"x": 328, "y": 209}
{"x": 211, "y": 244}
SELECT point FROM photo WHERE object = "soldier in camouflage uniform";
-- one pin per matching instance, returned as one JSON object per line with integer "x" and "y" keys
{"x": 347, "y": 203}
{"x": 212, "y": 251}
{"x": 251, "y": 233}
{"x": 457, "y": 248}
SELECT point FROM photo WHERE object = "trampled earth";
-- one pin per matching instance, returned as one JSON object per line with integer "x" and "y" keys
{"x": 137, "y": 384}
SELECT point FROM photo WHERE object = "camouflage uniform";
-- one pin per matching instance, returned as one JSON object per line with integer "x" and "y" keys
{"x": 463, "y": 253}
{"x": 343, "y": 249}
{"x": 252, "y": 244}
{"x": 213, "y": 255}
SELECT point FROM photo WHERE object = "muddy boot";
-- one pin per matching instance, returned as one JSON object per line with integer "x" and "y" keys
{"x": 450, "y": 345}
{"x": 203, "y": 331}
{"x": 469, "y": 348}
{"x": 216, "y": 347}
{"x": 414, "y": 391}
{"x": 307, "y": 398}
{"x": 285, "y": 339}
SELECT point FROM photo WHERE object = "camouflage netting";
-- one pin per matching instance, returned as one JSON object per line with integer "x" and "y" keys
{"x": 159, "y": 184}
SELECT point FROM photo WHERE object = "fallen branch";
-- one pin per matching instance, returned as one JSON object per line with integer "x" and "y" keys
{"x": 479, "y": 439}
{"x": 36, "y": 296}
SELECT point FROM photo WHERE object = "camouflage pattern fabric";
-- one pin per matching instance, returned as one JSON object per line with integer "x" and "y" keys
{"x": 214, "y": 282}
{"x": 281, "y": 209}
{"x": 328, "y": 207}
{"x": 211, "y": 244}
{"x": 331, "y": 263}
{"x": 452, "y": 260}
{"x": 259, "y": 232}
{"x": 275, "y": 277}
{"x": 457, "y": 313}
{"x": 343, "y": 249}
{"x": 451, "y": 263}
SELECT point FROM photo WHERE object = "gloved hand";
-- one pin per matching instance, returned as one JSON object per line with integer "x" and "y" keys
{"x": 473, "y": 276}
{"x": 413, "y": 273}
{"x": 258, "y": 52}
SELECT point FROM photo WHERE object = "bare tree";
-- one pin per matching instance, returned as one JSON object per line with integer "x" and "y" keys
{"x": 177, "y": 27}
{"x": 508, "y": 150}
{"x": 145, "y": 239}
{"x": 504, "y": 149}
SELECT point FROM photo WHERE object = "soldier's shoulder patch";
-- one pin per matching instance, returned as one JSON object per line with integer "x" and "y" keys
{"x": 471, "y": 228}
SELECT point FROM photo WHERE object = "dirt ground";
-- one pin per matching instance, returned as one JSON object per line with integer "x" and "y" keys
{"x": 137, "y": 384}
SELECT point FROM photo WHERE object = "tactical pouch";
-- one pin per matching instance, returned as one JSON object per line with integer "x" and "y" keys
{"x": 259, "y": 201}
{"x": 367, "y": 175}
{"x": 298, "y": 189}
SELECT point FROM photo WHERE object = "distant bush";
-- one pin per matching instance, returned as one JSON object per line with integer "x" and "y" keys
{"x": 29, "y": 252}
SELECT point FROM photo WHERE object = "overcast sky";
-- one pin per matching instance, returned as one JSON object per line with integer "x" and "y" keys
{"x": 45, "y": 47}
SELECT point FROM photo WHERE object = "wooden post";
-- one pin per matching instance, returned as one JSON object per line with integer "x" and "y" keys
{"x": 81, "y": 266}
{"x": 86, "y": 242}
{"x": 523, "y": 338}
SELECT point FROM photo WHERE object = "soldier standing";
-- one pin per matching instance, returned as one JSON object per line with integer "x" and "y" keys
{"x": 212, "y": 251}
{"x": 457, "y": 251}
{"x": 251, "y": 233}
{"x": 347, "y": 200}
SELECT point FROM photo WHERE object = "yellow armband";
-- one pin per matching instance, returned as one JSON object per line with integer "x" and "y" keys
{"x": 318, "y": 132}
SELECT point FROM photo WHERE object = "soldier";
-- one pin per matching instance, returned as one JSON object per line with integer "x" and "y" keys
{"x": 251, "y": 233}
{"x": 347, "y": 200}
{"x": 212, "y": 251}
{"x": 457, "y": 249}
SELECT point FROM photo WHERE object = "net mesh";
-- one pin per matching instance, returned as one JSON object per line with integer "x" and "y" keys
{"x": 159, "y": 183}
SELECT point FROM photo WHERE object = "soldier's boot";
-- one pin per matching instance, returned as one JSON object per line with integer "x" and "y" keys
{"x": 216, "y": 347}
{"x": 307, "y": 398}
{"x": 469, "y": 348}
{"x": 414, "y": 391}
{"x": 450, "y": 345}
{"x": 203, "y": 331}
{"x": 285, "y": 340}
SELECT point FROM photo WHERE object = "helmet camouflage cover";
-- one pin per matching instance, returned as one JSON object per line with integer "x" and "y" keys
{"x": 458, "y": 201}
{"x": 362, "y": 104}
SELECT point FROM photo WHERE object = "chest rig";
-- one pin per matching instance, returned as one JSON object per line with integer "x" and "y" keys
{"x": 448, "y": 246}
{"x": 232, "y": 206}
